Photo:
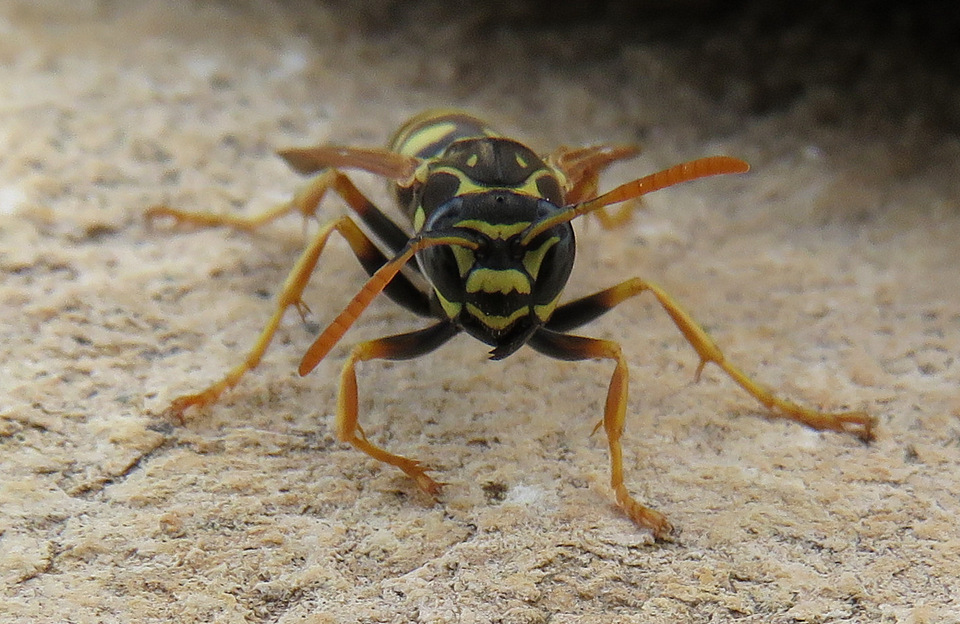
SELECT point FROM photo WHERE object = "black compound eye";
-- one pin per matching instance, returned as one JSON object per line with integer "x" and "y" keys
{"x": 549, "y": 189}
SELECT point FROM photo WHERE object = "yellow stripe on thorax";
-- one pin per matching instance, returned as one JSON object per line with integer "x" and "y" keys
{"x": 433, "y": 127}
{"x": 467, "y": 185}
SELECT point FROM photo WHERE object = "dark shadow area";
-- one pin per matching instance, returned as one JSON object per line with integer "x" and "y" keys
{"x": 855, "y": 60}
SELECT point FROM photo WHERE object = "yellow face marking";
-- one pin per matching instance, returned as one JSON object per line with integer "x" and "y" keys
{"x": 533, "y": 258}
{"x": 418, "y": 218}
{"x": 520, "y": 161}
{"x": 500, "y": 231}
{"x": 544, "y": 311}
{"x": 498, "y": 281}
{"x": 427, "y": 135}
{"x": 495, "y": 322}
{"x": 450, "y": 308}
{"x": 465, "y": 259}
{"x": 472, "y": 161}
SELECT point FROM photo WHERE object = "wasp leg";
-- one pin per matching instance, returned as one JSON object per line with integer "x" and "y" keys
{"x": 305, "y": 201}
{"x": 400, "y": 289}
{"x": 568, "y": 347}
{"x": 621, "y": 217}
{"x": 582, "y": 168}
{"x": 580, "y": 311}
{"x": 399, "y": 347}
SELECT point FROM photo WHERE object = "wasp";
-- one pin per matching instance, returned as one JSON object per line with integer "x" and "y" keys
{"x": 490, "y": 232}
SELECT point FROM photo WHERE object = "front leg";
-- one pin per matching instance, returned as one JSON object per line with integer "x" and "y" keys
{"x": 567, "y": 347}
{"x": 399, "y": 347}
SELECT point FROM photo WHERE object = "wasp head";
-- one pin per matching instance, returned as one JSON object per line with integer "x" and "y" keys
{"x": 501, "y": 289}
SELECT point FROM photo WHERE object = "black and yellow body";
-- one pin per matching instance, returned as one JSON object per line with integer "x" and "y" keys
{"x": 489, "y": 189}
{"x": 490, "y": 231}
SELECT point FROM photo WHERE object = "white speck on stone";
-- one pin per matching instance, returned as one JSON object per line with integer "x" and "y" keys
{"x": 11, "y": 199}
{"x": 292, "y": 62}
{"x": 202, "y": 67}
{"x": 524, "y": 495}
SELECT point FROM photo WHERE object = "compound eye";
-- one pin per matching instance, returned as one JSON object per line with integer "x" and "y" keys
{"x": 549, "y": 189}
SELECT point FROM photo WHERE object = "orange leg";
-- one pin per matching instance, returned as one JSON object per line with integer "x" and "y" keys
{"x": 290, "y": 295}
{"x": 621, "y": 217}
{"x": 306, "y": 203}
{"x": 582, "y": 167}
{"x": 550, "y": 341}
{"x": 399, "y": 347}
{"x": 567, "y": 347}
{"x": 578, "y": 312}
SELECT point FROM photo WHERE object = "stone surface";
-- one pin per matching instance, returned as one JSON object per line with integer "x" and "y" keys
{"x": 830, "y": 271}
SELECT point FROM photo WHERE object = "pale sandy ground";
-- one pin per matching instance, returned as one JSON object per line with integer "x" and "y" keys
{"x": 830, "y": 271}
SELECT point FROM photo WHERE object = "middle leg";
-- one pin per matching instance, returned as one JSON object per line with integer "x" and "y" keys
{"x": 306, "y": 201}
{"x": 580, "y": 311}
{"x": 400, "y": 289}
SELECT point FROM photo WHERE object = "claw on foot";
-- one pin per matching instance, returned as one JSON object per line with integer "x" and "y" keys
{"x": 644, "y": 517}
{"x": 856, "y": 423}
{"x": 175, "y": 411}
{"x": 426, "y": 483}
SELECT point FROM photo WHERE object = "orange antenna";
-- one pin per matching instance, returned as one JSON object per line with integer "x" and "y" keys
{"x": 684, "y": 172}
{"x": 374, "y": 286}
